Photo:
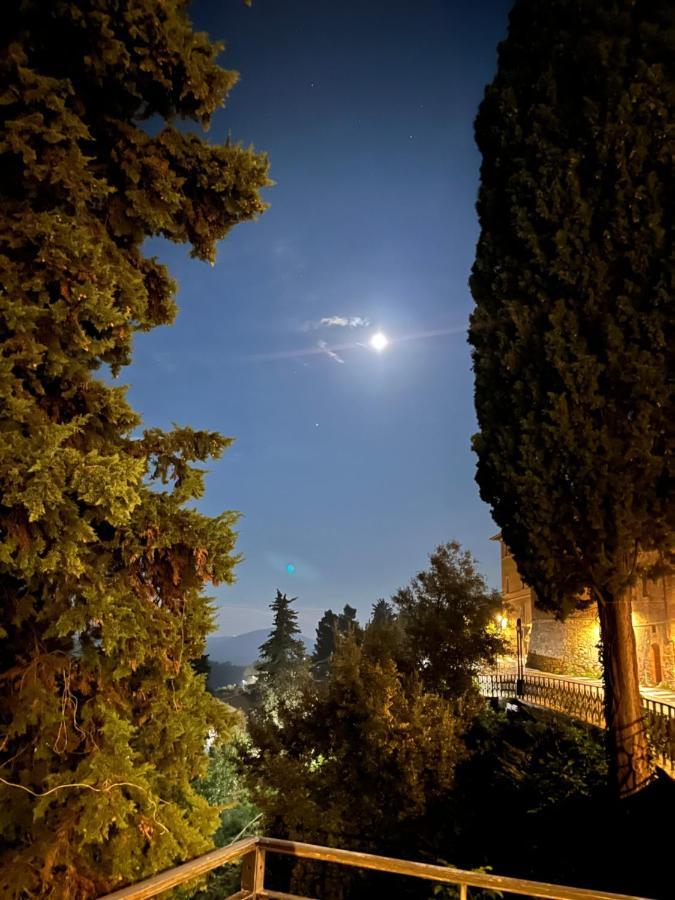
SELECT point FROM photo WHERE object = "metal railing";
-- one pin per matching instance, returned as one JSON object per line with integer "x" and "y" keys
{"x": 252, "y": 852}
{"x": 585, "y": 702}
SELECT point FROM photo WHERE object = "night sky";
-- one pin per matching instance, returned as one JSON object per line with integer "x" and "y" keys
{"x": 350, "y": 465}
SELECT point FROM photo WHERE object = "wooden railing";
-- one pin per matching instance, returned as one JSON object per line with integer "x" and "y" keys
{"x": 253, "y": 851}
{"x": 585, "y": 702}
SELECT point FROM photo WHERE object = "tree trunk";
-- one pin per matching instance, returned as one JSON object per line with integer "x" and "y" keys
{"x": 629, "y": 755}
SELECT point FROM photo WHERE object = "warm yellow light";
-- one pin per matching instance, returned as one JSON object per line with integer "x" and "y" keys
{"x": 502, "y": 621}
{"x": 379, "y": 341}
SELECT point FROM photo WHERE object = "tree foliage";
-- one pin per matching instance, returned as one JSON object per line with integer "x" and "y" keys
{"x": 363, "y": 761}
{"x": 223, "y": 786}
{"x": 328, "y": 631}
{"x": 282, "y": 653}
{"x": 382, "y": 613}
{"x": 573, "y": 289}
{"x": 572, "y": 331}
{"x": 324, "y": 643}
{"x": 103, "y": 719}
{"x": 447, "y": 615}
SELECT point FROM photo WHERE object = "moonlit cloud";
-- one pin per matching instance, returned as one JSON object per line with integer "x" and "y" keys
{"x": 337, "y": 322}
{"x": 345, "y": 321}
{"x": 323, "y": 346}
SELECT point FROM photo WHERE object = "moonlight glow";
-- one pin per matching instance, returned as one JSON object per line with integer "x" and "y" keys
{"x": 379, "y": 341}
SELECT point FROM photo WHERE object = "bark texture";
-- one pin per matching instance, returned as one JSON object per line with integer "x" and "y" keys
{"x": 626, "y": 732}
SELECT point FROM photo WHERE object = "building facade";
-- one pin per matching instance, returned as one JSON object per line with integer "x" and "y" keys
{"x": 572, "y": 647}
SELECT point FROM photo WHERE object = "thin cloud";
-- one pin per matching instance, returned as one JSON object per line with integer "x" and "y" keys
{"x": 323, "y": 346}
{"x": 344, "y": 322}
{"x": 337, "y": 322}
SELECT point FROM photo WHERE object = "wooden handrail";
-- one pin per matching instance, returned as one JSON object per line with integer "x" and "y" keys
{"x": 254, "y": 850}
{"x": 444, "y": 874}
{"x": 185, "y": 872}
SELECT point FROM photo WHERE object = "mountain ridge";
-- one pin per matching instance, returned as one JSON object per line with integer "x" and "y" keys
{"x": 242, "y": 649}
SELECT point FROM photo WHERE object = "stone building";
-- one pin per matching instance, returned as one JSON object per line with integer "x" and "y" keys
{"x": 572, "y": 647}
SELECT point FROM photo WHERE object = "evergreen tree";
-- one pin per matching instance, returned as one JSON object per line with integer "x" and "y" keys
{"x": 103, "y": 556}
{"x": 328, "y": 632}
{"x": 385, "y": 637}
{"x": 324, "y": 645}
{"x": 447, "y": 614}
{"x": 382, "y": 613}
{"x": 348, "y": 624}
{"x": 572, "y": 331}
{"x": 282, "y": 654}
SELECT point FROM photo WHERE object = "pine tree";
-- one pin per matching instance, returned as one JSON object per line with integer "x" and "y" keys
{"x": 572, "y": 331}
{"x": 103, "y": 720}
{"x": 283, "y": 653}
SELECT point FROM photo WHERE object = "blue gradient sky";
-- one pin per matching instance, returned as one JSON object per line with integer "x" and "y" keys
{"x": 351, "y": 471}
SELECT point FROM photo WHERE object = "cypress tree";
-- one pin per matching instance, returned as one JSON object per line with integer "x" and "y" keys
{"x": 103, "y": 720}
{"x": 324, "y": 644}
{"x": 573, "y": 286}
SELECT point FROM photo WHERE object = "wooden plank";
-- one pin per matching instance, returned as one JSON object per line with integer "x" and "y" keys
{"x": 442, "y": 874}
{"x": 186, "y": 872}
{"x": 253, "y": 872}
{"x": 248, "y": 872}
{"x": 279, "y": 895}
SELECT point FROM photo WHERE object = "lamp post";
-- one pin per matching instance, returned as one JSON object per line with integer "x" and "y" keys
{"x": 519, "y": 658}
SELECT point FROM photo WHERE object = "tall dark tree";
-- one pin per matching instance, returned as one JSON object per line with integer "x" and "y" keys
{"x": 330, "y": 628}
{"x": 447, "y": 614}
{"x": 382, "y": 613}
{"x": 324, "y": 644}
{"x": 282, "y": 653}
{"x": 103, "y": 720}
{"x": 348, "y": 623}
{"x": 572, "y": 331}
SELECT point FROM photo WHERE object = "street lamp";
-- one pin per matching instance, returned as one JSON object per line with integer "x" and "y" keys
{"x": 520, "y": 686}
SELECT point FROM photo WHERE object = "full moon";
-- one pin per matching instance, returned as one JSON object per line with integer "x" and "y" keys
{"x": 379, "y": 341}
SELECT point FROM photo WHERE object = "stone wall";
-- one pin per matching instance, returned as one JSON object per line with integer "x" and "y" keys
{"x": 656, "y": 663}
{"x": 570, "y": 647}
{"x": 566, "y": 648}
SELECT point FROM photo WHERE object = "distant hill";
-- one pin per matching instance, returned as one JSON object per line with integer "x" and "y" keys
{"x": 225, "y": 673}
{"x": 242, "y": 649}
